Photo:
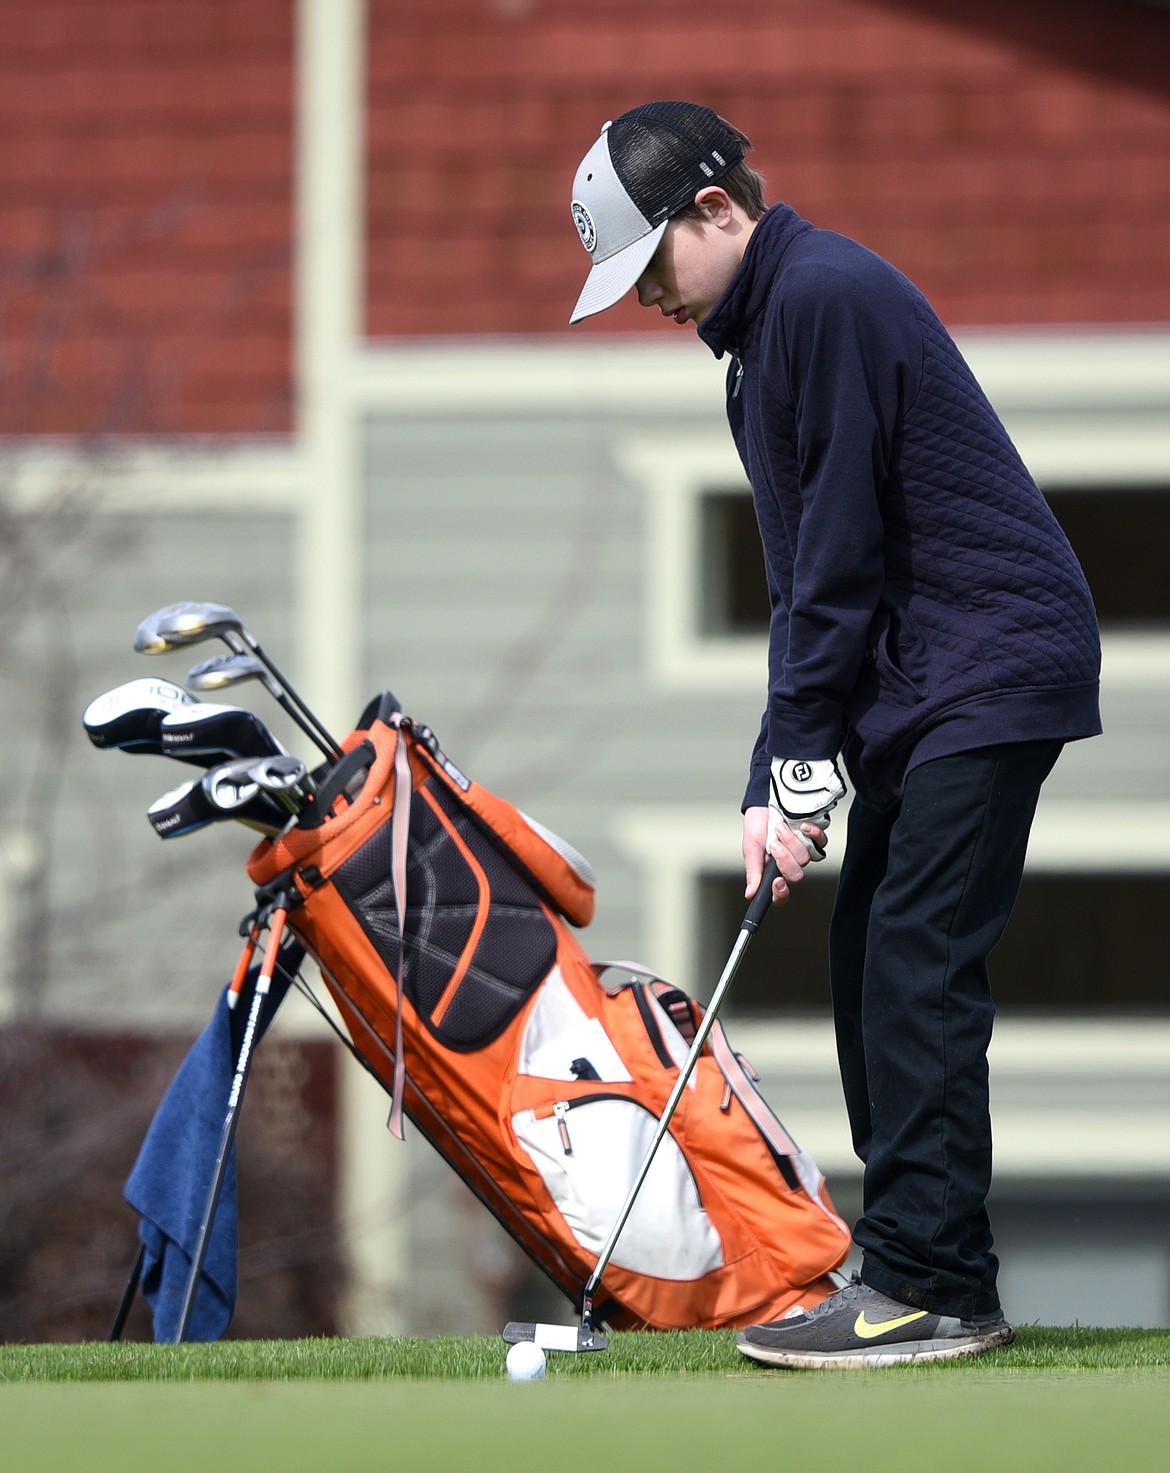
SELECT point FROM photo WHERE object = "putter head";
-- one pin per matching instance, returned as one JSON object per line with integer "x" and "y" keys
{"x": 186, "y": 623}
{"x": 223, "y": 731}
{"x": 184, "y": 809}
{"x": 130, "y": 716}
{"x": 554, "y": 1337}
{"x": 221, "y": 671}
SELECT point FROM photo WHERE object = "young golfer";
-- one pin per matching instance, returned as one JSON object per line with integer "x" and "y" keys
{"x": 930, "y": 626}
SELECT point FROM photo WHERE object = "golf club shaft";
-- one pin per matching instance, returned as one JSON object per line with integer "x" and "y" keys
{"x": 751, "y": 922}
{"x": 231, "y": 1119}
{"x": 329, "y": 748}
{"x": 328, "y": 745}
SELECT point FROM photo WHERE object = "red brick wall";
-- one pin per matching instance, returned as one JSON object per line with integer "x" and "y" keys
{"x": 145, "y": 213}
{"x": 1013, "y": 157}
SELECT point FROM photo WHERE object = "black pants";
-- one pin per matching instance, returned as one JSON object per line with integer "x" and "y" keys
{"x": 925, "y": 892}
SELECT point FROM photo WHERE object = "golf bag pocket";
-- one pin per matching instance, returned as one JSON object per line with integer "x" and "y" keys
{"x": 588, "y": 1150}
{"x": 478, "y": 942}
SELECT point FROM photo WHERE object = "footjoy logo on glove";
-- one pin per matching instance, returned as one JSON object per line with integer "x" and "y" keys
{"x": 864, "y": 1330}
{"x": 802, "y": 772}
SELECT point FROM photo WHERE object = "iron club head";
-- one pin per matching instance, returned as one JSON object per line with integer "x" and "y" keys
{"x": 184, "y": 809}
{"x": 282, "y": 774}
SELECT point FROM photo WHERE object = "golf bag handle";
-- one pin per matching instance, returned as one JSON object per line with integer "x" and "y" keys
{"x": 357, "y": 759}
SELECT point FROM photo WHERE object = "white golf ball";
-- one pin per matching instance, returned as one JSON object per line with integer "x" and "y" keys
{"x": 525, "y": 1362}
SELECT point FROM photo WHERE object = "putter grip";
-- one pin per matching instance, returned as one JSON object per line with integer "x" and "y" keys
{"x": 762, "y": 899}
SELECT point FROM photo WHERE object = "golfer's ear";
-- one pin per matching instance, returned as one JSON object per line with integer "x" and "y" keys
{"x": 715, "y": 204}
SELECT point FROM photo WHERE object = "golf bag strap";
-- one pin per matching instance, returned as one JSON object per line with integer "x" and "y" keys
{"x": 749, "y": 1097}
{"x": 399, "y": 844}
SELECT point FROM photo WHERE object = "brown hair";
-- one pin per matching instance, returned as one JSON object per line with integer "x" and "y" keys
{"x": 744, "y": 186}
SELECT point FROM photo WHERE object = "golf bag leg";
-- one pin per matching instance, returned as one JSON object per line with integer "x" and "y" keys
{"x": 128, "y": 1293}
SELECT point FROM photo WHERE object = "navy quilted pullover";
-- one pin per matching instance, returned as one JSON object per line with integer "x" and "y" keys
{"x": 924, "y": 598}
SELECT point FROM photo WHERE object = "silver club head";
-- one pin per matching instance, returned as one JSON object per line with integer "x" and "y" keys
{"x": 189, "y": 622}
{"x": 231, "y": 785}
{"x": 280, "y": 774}
{"x": 221, "y": 671}
{"x": 184, "y": 809}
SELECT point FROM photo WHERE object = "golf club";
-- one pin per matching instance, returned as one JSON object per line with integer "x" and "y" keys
{"x": 221, "y": 671}
{"x": 584, "y": 1336}
{"x": 221, "y": 731}
{"x": 189, "y": 622}
{"x": 129, "y": 716}
{"x": 284, "y": 776}
{"x": 184, "y": 809}
{"x": 280, "y": 776}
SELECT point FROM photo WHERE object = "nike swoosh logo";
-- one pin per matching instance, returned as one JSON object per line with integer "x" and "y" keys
{"x": 864, "y": 1330}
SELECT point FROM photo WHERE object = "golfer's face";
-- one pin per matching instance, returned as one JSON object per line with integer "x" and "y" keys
{"x": 688, "y": 273}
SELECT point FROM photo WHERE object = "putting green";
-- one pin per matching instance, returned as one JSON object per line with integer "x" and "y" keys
{"x": 770, "y": 1421}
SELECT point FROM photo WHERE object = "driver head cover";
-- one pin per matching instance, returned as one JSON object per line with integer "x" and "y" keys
{"x": 647, "y": 166}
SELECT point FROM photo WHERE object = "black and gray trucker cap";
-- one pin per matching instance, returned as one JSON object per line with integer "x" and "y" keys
{"x": 646, "y": 166}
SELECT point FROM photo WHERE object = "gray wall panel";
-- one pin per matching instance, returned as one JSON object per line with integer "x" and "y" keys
{"x": 135, "y": 929}
{"x": 507, "y": 608}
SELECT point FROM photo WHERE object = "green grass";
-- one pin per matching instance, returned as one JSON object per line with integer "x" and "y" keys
{"x": 459, "y": 1358}
{"x": 1059, "y": 1401}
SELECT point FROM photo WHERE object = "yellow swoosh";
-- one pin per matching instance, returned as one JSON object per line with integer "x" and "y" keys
{"x": 865, "y": 1331}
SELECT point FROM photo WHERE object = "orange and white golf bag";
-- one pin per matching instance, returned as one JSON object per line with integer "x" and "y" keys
{"x": 437, "y": 914}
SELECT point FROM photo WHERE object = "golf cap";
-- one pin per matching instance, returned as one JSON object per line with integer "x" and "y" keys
{"x": 647, "y": 166}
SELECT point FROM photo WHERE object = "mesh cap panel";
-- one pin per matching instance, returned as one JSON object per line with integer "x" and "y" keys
{"x": 665, "y": 152}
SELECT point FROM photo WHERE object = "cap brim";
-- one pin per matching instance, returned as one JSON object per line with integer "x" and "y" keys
{"x": 611, "y": 279}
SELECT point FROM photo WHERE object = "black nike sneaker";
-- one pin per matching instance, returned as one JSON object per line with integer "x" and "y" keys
{"x": 857, "y": 1327}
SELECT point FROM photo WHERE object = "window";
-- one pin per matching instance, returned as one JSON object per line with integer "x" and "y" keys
{"x": 733, "y": 598}
{"x": 1120, "y": 535}
{"x": 1122, "y": 538}
{"x": 1077, "y": 943}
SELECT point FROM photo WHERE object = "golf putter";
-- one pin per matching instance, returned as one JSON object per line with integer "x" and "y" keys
{"x": 584, "y": 1336}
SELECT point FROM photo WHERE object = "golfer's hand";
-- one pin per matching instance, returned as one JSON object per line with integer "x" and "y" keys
{"x": 791, "y": 854}
{"x": 803, "y": 794}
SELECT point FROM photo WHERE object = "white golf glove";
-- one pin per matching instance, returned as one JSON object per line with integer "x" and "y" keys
{"x": 803, "y": 792}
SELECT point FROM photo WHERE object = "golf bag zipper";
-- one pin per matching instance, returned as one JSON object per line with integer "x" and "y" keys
{"x": 561, "y": 1111}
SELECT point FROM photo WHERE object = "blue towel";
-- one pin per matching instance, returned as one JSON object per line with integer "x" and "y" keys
{"x": 170, "y": 1181}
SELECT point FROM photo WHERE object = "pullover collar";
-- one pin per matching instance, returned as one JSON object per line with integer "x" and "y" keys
{"x": 725, "y": 326}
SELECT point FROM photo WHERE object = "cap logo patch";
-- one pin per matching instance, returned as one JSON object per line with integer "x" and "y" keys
{"x": 585, "y": 227}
